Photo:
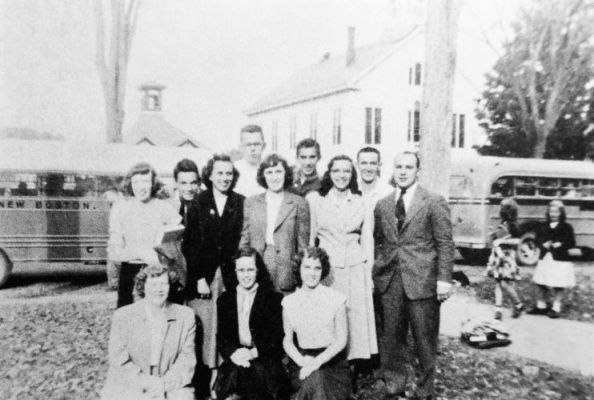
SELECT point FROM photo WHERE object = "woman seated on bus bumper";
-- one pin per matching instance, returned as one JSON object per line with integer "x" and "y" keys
{"x": 151, "y": 345}
{"x": 134, "y": 224}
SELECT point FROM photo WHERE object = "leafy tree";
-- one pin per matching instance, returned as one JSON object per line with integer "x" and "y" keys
{"x": 536, "y": 99}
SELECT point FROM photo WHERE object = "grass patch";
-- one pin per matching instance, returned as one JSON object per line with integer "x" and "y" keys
{"x": 58, "y": 350}
{"x": 579, "y": 300}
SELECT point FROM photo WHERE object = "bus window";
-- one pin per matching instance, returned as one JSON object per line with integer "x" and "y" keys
{"x": 526, "y": 186}
{"x": 84, "y": 186}
{"x": 109, "y": 183}
{"x": 569, "y": 188}
{"x": 460, "y": 186}
{"x": 587, "y": 189}
{"x": 549, "y": 187}
{"x": 503, "y": 187}
{"x": 24, "y": 185}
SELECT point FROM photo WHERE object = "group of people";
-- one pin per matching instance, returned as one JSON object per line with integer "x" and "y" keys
{"x": 294, "y": 284}
{"x": 554, "y": 272}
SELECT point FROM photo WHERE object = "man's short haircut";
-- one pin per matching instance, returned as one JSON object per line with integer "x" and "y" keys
{"x": 369, "y": 149}
{"x": 308, "y": 143}
{"x": 270, "y": 161}
{"x": 251, "y": 128}
{"x": 186, "y": 165}
{"x": 412, "y": 153}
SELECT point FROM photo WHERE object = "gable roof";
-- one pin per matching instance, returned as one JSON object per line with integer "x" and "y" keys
{"x": 153, "y": 129}
{"x": 329, "y": 76}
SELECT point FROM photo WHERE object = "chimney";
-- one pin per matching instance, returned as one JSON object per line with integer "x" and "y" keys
{"x": 350, "y": 54}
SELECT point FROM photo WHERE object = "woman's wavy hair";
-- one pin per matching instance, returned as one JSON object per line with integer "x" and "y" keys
{"x": 262, "y": 274}
{"x": 155, "y": 271}
{"x": 326, "y": 183}
{"x": 272, "y": 161}
{"x": 141, "y": 168}
{"x": 559, "y": 204}
{"x": 207, "y": 170}
{"x": 316, "y": 253}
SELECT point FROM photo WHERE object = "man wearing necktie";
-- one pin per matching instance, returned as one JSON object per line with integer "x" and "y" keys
{"x": 414, "y": 256}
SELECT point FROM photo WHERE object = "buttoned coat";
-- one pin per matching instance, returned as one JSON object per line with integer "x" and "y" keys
{"x": 130, "y": 353}
{"x": 211, "y": 241}
{"x": 423, "y": 251}
{"x": 291, "y": 233}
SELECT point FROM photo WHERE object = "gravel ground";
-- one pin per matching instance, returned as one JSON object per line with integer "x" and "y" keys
{"x": 56, "y": 348}
{"x": 579, "y": 300}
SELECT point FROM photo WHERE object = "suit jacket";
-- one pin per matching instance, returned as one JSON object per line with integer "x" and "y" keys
{"x": 266, "y": 324}
{"x": 130, "y": 347}
{"x": 211, "y": 241}
{"x": 422, "y": 252}
{"x": 291, "y": 232}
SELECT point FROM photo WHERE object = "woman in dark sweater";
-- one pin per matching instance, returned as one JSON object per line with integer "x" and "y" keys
{"x": 250, "y": 335}
{"x": 555, "y": 270}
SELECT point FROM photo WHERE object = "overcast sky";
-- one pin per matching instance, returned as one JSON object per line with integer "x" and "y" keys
{"x": 216, "y": 57}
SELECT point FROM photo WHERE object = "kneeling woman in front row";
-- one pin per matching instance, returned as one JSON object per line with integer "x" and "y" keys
{"x": 315, "y": 316}
{"x": 250, "y": 335}
{"x": 151, "y": 346}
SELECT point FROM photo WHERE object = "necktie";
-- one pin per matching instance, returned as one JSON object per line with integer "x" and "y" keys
{"x": 400, "y": 210}
{"x": 183, "y": 211}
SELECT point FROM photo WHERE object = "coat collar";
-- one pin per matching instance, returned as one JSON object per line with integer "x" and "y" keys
{"x": 418, "y": 201}
{"x": 287, "y": 205}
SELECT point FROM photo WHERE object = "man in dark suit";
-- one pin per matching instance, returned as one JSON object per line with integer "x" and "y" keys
{"x": 187, "y": 182}
{"x": 414, "y": 255}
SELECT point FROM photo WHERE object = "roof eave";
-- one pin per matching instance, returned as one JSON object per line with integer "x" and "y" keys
{"x": 262, "y": 109}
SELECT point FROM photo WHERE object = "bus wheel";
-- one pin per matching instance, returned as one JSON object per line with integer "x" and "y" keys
{"x": 528, "y": 251}
{"x": 5, "y": 268}
{"x": 475, "y": 256}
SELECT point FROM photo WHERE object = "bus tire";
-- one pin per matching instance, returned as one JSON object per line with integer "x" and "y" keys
{"x": 528, "y": 252}
{"x": 5, "y": 268}
{"x": 474, "y": 256}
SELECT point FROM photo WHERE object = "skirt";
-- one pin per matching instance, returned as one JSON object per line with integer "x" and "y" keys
{"x": 354, "y": 282}
{"x": 553, "y": 273}
{"x": 331, "y": 382}
{"x": 206, "y": 330}
{"x": 265, "y": 379}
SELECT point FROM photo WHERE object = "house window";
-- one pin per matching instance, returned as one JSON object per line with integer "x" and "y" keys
{"x": 410, "y": 74}
{"x": 417, "y": 122}
{"x": 373, "y": 125}
{"x": 458, "y": 132}
{"x": 408, "y": 126}
{"x": 461, "y": 130}
{"x": 454, "y": 130}
{"x": 337, "y": 127}
{"x": 313, "y": 125}
{"x": 417, "y": 74}
{"x": 293, "y": 132}
{"x": 274, "y": 138}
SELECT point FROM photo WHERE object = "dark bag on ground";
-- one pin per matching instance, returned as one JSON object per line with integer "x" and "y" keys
{"x": 484, "y": 334}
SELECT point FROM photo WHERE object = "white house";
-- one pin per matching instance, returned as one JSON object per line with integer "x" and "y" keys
{"x": 369, "y": 96}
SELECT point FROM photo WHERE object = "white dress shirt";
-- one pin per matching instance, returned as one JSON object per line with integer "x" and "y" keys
{"x": 273, "y": 205}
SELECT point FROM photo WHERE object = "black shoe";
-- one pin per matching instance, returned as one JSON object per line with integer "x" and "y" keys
{"x": 554, "y": 314}
{"x": 538, "y": 311}
{"x": 518, "y": 308}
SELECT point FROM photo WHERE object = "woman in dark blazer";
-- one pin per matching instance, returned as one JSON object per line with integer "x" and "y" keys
{"x": 250, "y": 335}
{"x": 210, "y": 242}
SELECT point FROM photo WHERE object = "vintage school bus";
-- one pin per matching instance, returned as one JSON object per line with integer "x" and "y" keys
{"x": 55, "y": 196}
{"x": 478, "y": 184}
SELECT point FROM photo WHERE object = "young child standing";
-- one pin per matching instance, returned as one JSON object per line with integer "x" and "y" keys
{"x": 555, "y": 270}
{"x": 502, "y": 265}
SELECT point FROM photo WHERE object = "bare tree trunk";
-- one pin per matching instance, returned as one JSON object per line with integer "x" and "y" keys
{"x": 441, "y": 31}
{"x": 112, "y": 67}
